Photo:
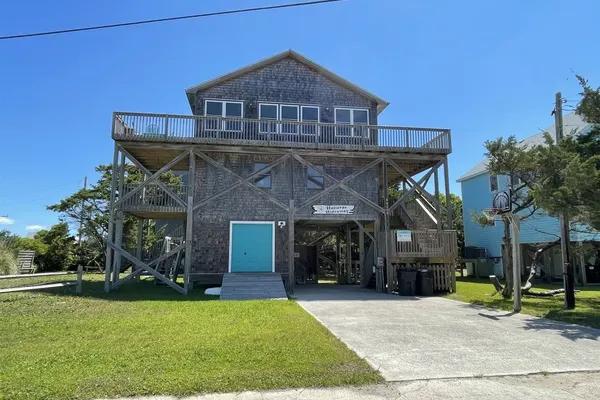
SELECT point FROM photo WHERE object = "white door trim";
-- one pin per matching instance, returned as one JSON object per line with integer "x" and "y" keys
{"x": 272, "y": 223}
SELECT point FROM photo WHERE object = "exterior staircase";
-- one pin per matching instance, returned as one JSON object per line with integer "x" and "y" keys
{"x": 252, "y": 286}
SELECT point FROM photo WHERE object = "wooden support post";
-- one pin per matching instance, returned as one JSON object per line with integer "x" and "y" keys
{"x": 337, "y": 256}
{"x": 291, "y": 250}
{"x": 438, "y": 209}
{"x": 140, "y": 244}
{"x": 348, "y": 279}
{"x": 119, "y": 223}
{"x": 79, "y": 286}
{"x": 386, "y": 222}
{"x": 364, "y": 275}
{"x": 447, "y": 188}
{"x": 377, "y": 235}
{"x": 189, "y": 223}
{"x": 109, "y": 239}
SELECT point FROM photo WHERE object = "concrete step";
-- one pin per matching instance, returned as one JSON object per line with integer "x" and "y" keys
{"x": 252, "y": 286}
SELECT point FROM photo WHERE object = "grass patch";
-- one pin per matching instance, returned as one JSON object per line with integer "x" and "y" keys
{"x": 147, "y": 340}
{"x": 481, "y": 292}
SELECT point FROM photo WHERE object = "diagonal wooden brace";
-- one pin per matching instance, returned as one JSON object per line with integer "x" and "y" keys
{"x": 152, "y": 178}
{"x": 149, "y": 269}
{"x": 246, "y": 181}
{"x": 415, "y": 185}
{"x": 158, "y": 181}
{"x": 361, "y": 226}
{"x": 342, "y": 185}
{"x": 338, "y": 184}
{"x": 127, "y": 278}
{"x": 238, "y": 183}
{"x": 399, "y": 202}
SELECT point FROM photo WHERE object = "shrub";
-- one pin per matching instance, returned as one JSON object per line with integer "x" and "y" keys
{"x": 8, "y": 260}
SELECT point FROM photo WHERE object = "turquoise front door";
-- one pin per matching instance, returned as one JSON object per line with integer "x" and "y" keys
{"x": 251, "y": 247}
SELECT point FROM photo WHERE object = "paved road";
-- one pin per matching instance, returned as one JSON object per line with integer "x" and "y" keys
{"x": 550, "y": 387}
{"x": 423, "y": 338}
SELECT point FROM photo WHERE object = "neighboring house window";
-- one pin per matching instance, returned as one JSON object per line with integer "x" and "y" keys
{"x": 516, "y": 181}
{"x": 262, "y": 180}
{"x": 314, "y": 179}
{"x": 222, "y": 109}
{"x": 289, "y": 113}
{"x": 269, "y": 112}
{"x": 494, "y": 183}
{"x": 351, "y": 116}
{"x": 309, "y": 114}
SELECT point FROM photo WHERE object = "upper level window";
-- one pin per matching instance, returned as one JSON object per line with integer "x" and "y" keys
{"x": 351, "y": 116}
{"x": 287, "y": 117}
{"x": 289, "y": 113}
{"x": 309, "y": 114}
{"x": 494, "y": 183}
{"x": 268, "y": 112}
{"x": 262, "y": 180}
{"x": 219, "y": 108}
{"x": 314, "y": 179}
{"x": 516, "y": 181}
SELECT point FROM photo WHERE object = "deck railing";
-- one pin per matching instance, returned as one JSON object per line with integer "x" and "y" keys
{"x": 153, "y": 197}
{"x": 295, "y": 134}
{"x": 425, "y": 244}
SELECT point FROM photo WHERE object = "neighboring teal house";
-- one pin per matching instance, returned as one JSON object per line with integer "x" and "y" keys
{"x": 478, "y": 189}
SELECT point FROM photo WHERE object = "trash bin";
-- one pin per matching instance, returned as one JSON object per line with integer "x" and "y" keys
{"x": 407, "y": 282}
{"x": 425, "y": 282}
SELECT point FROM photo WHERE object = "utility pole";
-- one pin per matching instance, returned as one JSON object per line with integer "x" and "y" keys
{"x": 568, "y": 271}
{"x": 81, "y": 213}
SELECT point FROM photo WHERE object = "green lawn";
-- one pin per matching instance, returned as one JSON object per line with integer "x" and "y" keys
{"x": 144, "y": 340}
{"x": 587, "y": 311}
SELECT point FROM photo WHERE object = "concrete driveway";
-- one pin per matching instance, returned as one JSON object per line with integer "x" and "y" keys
{"x": 422, "y": 338}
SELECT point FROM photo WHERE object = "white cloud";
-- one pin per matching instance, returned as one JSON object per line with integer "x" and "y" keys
{"x": 34, "y": 227}
{"x": 6, "y": 221}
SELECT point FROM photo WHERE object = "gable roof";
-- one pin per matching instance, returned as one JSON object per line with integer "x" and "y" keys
{"x": 381, "y": 103}
{"x": 572, "y": 123}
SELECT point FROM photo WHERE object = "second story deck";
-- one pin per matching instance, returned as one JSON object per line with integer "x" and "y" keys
{"x": 190, "y": 129}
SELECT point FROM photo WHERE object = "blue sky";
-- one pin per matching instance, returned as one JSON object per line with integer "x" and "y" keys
{"x": 483, "y": 69}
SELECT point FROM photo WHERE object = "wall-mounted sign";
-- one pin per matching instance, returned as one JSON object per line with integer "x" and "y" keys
{"x": 333, "y": 210}
{"x": 403, "y": 236}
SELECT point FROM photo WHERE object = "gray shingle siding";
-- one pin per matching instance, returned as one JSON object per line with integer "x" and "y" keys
{"x": 211, "y": 221}
{"x": 286, "y": 81}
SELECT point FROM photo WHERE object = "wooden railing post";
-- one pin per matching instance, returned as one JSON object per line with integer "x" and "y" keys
{"x": 166, "y": 126}
{"x": 79, "y": 286}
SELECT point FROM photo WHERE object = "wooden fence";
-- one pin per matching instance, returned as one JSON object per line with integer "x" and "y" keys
{"x": 444, "y": 276}
{"x": 424, "y": 244}
{"x": 78, "y": 283}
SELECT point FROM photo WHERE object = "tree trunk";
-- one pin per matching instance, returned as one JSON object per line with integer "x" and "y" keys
{"x": 507, "y": 261}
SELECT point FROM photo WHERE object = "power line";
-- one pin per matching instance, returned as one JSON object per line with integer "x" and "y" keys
{"x": 152, "y": 21}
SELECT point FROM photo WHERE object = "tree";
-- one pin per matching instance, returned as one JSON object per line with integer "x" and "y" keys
{"x": 58, "y": 246}
{"x": 555, "y": 177}
{"x": 91, "y": 207}
{"x": 8, "y": 257}
{"x": 507, "y": 158}
{"x": 571, "y": 168}
{"x": 457, "y": 219}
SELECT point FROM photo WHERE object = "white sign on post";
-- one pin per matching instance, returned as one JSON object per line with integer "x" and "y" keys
{"x": 403, "y": 236}
{"x": 333, "y": 210}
